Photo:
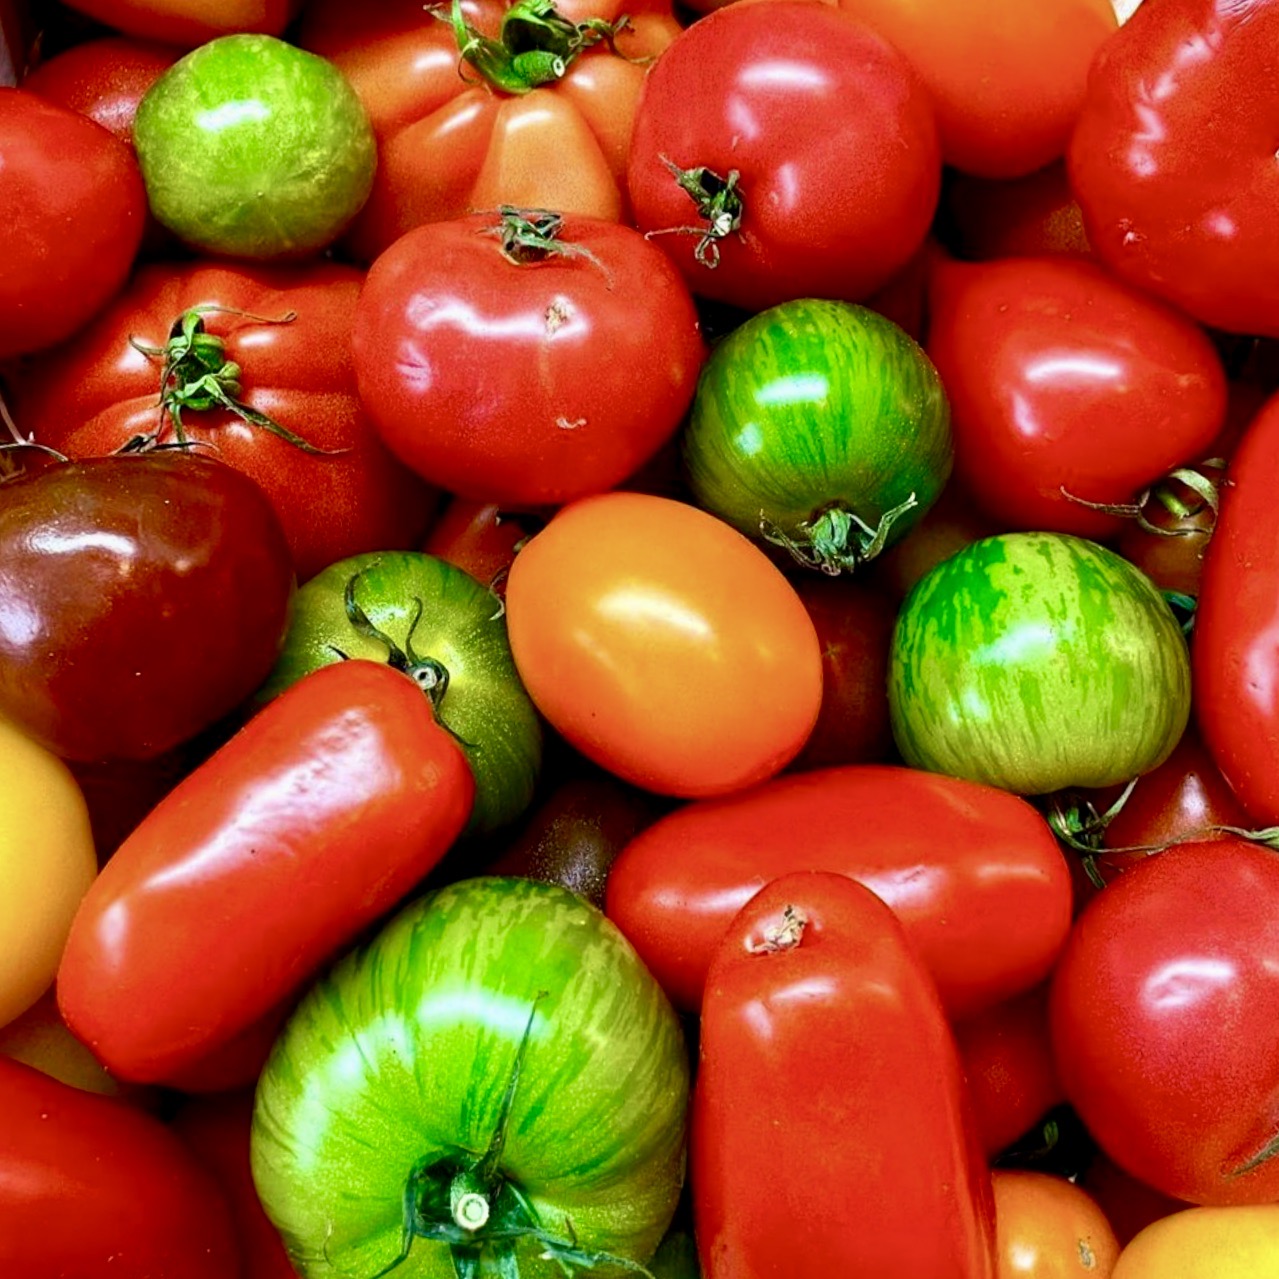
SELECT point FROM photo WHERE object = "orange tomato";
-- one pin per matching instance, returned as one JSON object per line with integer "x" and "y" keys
{"x": 1047, "y": 1228}
{"x": 1206, "y": 1243}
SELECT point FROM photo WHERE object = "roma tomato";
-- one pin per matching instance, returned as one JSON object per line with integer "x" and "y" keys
{"x": 75, "y": 209}
{"x": 973, "y": 873}
{"x": 190, "y": 22}
{"x": 494, "y": 1085}
{"x": 208, "y": 351}
{"x": 821, "y": 1020}
{"x": 525, "y": 358}
{"x": 313, "y": 820}
{"x": 663, "y": 645}
{"x": 1048, "y": 1228}
{"x": 784, "y": 151}
{"x": 1205, "y": 1243}
{"x": 465, "y": 125}
{"x": 1066, "y": 384}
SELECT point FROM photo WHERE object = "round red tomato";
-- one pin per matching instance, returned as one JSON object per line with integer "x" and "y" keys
{"x": 782, "y": 151}
{"x": 525, "y": 359}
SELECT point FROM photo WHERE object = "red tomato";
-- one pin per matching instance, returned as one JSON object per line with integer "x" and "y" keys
{"x": 75, "y": 208}
{"x": 525, "y": 375}
{"x": 480, "y": 538}
{"x": 973, "y": 873}
{"x": 316, "y": 818}
{"x": 1173, "y": 158}
{"x": 831, "y": 1132}
{"x": 91, "y": 1186}
{"x": 451, "y": 141}
{"x": 663, "y": 645}
{"x": 190, "y": 22}
{"x": 1130, "y": 1205}
{"x": 1020, "y": 218}
{"x": 1165, "y": 1021}
{"x": 1063, "y": 381}
{"x": 812, "y": 143}
{"x": 96, "y": 394}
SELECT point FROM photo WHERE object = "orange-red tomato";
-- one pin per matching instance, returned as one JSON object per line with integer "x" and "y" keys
{"x": 1047, "y": 1228}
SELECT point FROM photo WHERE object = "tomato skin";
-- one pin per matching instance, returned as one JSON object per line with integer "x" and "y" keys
{"x": 840, "y": 1040}
{"x": 973, "y": 873}
{"x": 625, "y": 603}
{"x": 1048, "y": 1228}
{"x": 1061, "y": 377}
{"x": 190, "y": 22}
{"x": 345, "y": 765}
{"x": 521, "y": 384}
{"x": 1025, "y": 217}
{"x": 479, "y": 538}
{"x": 1163, "y": 1003}
{"x": 1205, "y": 1243}
{"x": 1130, "y": 1205}
{"x": 91, "y": 1186}
{"x": 75, "y": 210}
{"x": 839, "y": 167}
{"x": 1185, "y": 211}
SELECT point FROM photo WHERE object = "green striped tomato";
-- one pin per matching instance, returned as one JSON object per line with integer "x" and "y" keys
{"x": 821, "y": 426}
{"x": 1037, "y": 661}
{"x": 494, "y": 1080}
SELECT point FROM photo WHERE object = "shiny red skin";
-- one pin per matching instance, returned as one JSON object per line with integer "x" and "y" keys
{"x": 973, "y": 873}
{"x": 1235, "y": 655}
{"x": 1061, "y": 377}
{"x": 831, "y": 1131}
{"x": 525, "y": 384}
{"x": 1173, "y": 158}
{"x": 75, "y": 209}
{"x": 315, "y": 819}
{"x": 163, "y": 608}
{"x": 836, "y": 146}
{"x": 1164, "y": 1012}
{"x": 92, "y": 1186}
{"x": 190, "y": 22}
{"x": 93, "y": 395}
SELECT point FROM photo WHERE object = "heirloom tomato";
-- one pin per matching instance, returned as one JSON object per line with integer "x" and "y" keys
{"x": 190, "y": 22}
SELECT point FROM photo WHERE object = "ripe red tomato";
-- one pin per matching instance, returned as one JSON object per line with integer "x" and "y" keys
{"x": 190, "y": 22}
{"x": 480, "y": 538}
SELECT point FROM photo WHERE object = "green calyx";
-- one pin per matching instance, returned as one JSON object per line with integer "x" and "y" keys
{"x": 835, "y": 540}
{"x": 529, "y": 236}
{"x": 719, "y": 206}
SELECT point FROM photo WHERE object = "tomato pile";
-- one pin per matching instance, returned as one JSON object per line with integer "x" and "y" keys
{"x": 639, "y": 639}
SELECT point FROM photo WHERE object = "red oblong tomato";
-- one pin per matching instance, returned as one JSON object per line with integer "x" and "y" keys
{"x": 973, "y": 873}
{"x": 190, "y": 22}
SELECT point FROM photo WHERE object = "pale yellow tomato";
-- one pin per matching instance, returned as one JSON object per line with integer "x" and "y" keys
{"x": 47, "y": 863}
{"x": 1206, "y": 1243}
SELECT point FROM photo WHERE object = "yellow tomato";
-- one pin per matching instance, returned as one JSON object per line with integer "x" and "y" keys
{"x": 1048, "y": 1228}
{"x": 1206, "y": 1243}
{"x": 47, "y": 863}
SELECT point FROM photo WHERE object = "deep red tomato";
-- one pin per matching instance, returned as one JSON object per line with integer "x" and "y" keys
{"x": 973, "y": 873}
{"x": 1063, "y": 381}
{"x": 91, "y": 1186}
{"x": 75, "y": 208}
{"x": 808, "y": 152}
{"x": 1173, "y": 158}
{"x": 455, "y": 136}
{"x": 1165, "y": 1021}
{"x": 1019, "y": 218}
{"x": 1130, "y": 1205}
{"x": 101, "y": 391}
{"x": 831, "y": 1129}
{"x": 526, "y": 360}
{"x": 480, "y": 538}
{"x": 313, "y": 820}
{"x": 190, "y": 22}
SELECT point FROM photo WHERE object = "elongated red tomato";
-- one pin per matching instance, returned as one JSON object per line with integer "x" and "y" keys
{"x": 831, "y": 1130}
{"x": 973, "y": 873}
{"x": 317, "y": 817}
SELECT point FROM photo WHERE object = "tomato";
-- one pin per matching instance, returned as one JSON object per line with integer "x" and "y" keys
{"x": 458, "y": 133}
{"x": 1130, "y": 1205}
{"x": 663, "y": 645}
{"x": 91, "y": 1186}
{"x": 313, "y": 820}
{"x": 973, "y": 873}
{"x": 119, "y": 578}
{"x": 190, "y": 22}
{"x": 1037, "y": 661}
{"x": 526, "y": 359}
{"x": 480, "y": 538}
{"x": 1164, "y": 1026}
{"x": 831, "y": 1132}
{"x": 494, "y": 1078}
{"x": 449, "y": 633}
{"x": 1048, "y": 1228}
{"x": 221, "y": 336}
{"x": 1018, "y": 218}
{"x": 251, "y": 147}
{"x": 1206, "y": 1243}
{"x": 820, "y": 427}
{"x": 1178, "y": 185}
{"x": 75, "y": 208}
{"x": 784, "y": 151}
{"x": 1067, "y": 387}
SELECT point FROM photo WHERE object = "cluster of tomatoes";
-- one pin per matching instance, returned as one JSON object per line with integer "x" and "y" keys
{"x": 639, "y": 640}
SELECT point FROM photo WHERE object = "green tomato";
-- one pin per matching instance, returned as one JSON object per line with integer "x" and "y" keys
{"x": 494, "y": 1086}
{"x": 253, "y": 148}
{"x": 820, "y": 426}
{"x": 1038, "y": 661}
{"x": 441, "y": 626}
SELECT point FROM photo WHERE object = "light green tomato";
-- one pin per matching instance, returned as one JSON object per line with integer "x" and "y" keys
{"x": 251, "y": 147}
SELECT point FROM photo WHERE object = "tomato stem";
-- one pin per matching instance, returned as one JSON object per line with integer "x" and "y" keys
{"x": 782, "y": 934}
{"x": 1206, "y": 492}
{"x": 836, "y": 540}
{"x": 530, "y": 236}
{"x": 719, "y": 205}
